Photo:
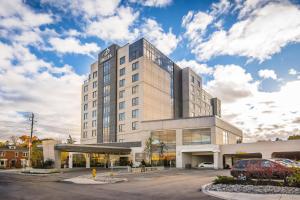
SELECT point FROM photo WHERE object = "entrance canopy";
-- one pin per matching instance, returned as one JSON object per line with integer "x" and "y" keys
{"x": 84, "y": 148}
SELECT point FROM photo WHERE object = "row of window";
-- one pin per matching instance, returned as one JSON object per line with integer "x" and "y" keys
{"x": 134, "y": 102}
{"x": 134, "y": 90}
{"x": 134, "y": 67}
{"x": 94, "y": 124}
{"x": 24, "y": 154}
{"x": 134, "y": 114}
{"x": 135, "y": 77}
{"x": 134, "y": 126}
{"x": 94, "y": 115}
{"x": 85, "y": 133}
{"x": 193, "y": 81}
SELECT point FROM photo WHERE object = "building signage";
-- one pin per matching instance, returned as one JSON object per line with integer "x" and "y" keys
{"x": 105, "y": 55}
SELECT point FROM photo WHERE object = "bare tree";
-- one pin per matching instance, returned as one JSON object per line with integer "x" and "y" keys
{"x": 14, "y": 139}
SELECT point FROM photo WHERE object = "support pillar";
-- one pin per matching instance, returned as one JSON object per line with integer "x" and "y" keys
{"x": 87, "y": 160}
{"x": 57, "y": 161}
{"x": 216, "y": 160}
{"x": 70, "y": 160}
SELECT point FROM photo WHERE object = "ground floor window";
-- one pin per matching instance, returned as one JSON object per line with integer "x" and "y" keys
{"x": 163, "y": 148}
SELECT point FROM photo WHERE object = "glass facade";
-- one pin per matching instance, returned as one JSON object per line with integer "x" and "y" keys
{"x": 164, "y": 147}
{"x": 106, "y": 100}
{"x": 196, "y": 136}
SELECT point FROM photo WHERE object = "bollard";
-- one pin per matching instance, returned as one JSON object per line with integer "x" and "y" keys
{"x": 94, "y": 173}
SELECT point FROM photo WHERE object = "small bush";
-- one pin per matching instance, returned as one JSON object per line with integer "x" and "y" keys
{"x": 294, "y": 180}
{"x": 48, "y": 163}
{"x": 224, "y": 180}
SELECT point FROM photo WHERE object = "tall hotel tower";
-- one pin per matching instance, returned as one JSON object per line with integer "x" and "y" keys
{"x": 136, "y": 83}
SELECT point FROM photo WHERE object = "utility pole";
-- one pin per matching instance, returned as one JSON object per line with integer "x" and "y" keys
{"x": 30, "y": 140}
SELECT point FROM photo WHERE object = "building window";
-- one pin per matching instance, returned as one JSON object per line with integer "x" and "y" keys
{"x": 94, "y": 84}
{"x": 94, "y": 123}
{"x": 135, "y": 101}
{"x": 84, "y": 135}
{"x": 121, "y": 116}
{"x": 135, "y": 113}
{"x": 193, "y": 79}
{"x": 193, "y": 88}
{"x": 85, "y": 107}
{"x": 85, "y": 124}
{"x": 94, "y": 113}
{"x": 94, "y": 133}
{"x": 95, "y": 74}
{"x": 121, "y": 82}
{"x": 122, "y": 71}
{"x": 121, "y": 93}
{"x": 122, "y": 105}
{"x": 135, "y": 89}
{"x": 196, "y": 136}
{"x": 135, "y": 66}
{"x": 85, "y": 88}
{"x": 135, "y": 77}
{"x": 122, "y": 60}
{"x": 17, "y": 154}
{"x": 25, "y": 154}
{"x": 106, "y": 79}
{"x": 134, "y": 125}
{"x": 85, "y": 97}
{"x": 85, "y": 116}
{"x": 225, "y": 137}
{"x": 94, "y": 103}
{"x": 94, "y": 94}
{"x": 106, "y": 90}
{"x": 199, "y": 84}
{"x": 121, "y": 127}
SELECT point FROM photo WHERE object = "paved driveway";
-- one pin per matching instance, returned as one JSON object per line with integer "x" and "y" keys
{"x": 173, "y": 184}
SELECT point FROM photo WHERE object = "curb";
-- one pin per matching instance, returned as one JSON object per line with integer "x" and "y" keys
{"x": 205, "y": 191}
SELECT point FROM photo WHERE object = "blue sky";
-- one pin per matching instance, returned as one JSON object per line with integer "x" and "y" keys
{"x": 246, "y": 51}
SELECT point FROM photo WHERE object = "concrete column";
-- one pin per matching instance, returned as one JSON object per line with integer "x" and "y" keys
{"x": 179, "y": 162}
{"x": 216, "y": 160}
{"x": 266, "y": 155}
{"x": 70, "y": 160}
{"x": 57, "y": 160}
{"x": 87, "y": 160}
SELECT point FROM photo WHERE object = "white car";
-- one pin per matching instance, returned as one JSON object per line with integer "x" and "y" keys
{"x": 206, "y": 165}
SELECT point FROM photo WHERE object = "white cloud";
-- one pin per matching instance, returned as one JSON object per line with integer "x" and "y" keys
{"x": 73, "y": 45}
{"x": 89, "y": 9}
{"x": 220, "y": 8}
{"x": 195, "y": 25}
{"x": 267, "y": 73}
{"x": 29, "y": 84}
{"x": 261, "y": 33}
{"x": 153, "y": 3}
{"x": 292, "y": 71}
{"x": 197, "y": 67}
{"x": 261, "y": 115}
{"x": 16, "y": 15}
{"x": 165, "y": 42}
{"x": 116, "y": 27}
{"x": 231, "y": 82}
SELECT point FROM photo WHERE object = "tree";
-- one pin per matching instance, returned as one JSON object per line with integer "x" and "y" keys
{"x": 2, "y": 144}
{"x": 162, "y": 148}
{"x": 70, "y": 140}
{"x": 14, "y": 139}
{"x": 294, "y": 137}
{"x": 25, "y": 140}
{"x": 149, "y": 148}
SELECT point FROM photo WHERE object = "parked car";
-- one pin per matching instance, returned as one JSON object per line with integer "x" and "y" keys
{"x": 206, "y": 165}
{"x": 287, "y": 162}
{"x": 259, "y": 168}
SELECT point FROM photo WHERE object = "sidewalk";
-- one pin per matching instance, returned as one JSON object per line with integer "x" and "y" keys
{"x": 249, "y": 196}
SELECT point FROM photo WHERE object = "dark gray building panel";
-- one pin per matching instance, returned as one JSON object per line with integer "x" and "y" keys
{"x": 108, "y": 56}
{"x": 177, "y": 92}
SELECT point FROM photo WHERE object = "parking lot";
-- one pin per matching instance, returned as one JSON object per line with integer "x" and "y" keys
{"x": 169, "y": 184}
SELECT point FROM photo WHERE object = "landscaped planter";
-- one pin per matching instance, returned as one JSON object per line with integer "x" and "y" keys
{"x": 256, "y": 189}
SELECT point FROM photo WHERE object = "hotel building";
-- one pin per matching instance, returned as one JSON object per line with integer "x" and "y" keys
{"x": 134, "y": 93}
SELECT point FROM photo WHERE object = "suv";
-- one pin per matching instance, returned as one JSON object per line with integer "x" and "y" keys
{"x": 259, "y": 168}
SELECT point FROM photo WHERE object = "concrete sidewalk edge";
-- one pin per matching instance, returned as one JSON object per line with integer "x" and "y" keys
{"x": 247, "y": 196}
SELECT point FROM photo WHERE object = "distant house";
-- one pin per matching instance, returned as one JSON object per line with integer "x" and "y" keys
{"x": 13, "y": 157}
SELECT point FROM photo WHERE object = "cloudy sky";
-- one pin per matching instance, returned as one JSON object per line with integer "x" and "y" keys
{"x": 247, "y": 52}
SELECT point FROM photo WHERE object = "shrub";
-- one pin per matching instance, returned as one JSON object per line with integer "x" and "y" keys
{"x": 224, "y": 180}
{"x": 48, "y": 163}
{"x": 294, "y": 179}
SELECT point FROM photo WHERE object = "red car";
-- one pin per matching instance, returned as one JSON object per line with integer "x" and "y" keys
{"x": 259, "y": 168}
